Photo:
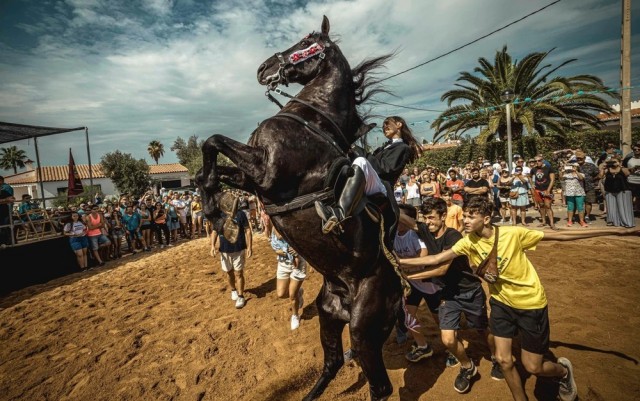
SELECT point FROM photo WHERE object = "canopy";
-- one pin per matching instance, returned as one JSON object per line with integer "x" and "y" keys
{"x": 10, "y": 132}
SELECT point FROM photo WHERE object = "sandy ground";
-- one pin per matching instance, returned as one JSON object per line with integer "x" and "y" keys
{"x": 162, "y": 326}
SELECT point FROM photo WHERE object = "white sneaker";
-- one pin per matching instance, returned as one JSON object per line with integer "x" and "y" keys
{"x": 295, "y": 322}
{"x": 234, "y": 295}
{"x": 240, "y": 302}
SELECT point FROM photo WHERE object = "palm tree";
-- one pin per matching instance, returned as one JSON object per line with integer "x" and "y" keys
{"x": 12, "y": 158}
{"x": 156, "y": 150}
{"x": 544, "y": 105}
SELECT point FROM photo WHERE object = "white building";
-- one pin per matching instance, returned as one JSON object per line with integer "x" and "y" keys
{"x": 54, "y": 179}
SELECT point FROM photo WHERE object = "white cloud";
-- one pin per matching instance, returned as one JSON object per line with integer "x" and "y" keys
{"x": 159, "y": 69}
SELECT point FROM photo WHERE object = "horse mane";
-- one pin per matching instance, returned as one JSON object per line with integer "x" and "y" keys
{"x": 365, "y": 82}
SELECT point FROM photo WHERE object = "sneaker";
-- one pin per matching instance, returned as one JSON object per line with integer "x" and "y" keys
{"x": 451, "y": 361}
{"x": 496, "y": 371}
{"x": 295, "y": 322}
{"x": 240, "y": 302}
{"x": 587, "y": 219}
{"x": 418, "y": 353}
{"x": 161, "y": 246}
{"x": 463, "y": 381}
{"x": 401, "y": 336}
{"x": 234, "y": 295}
{"x": 568, "y": 390}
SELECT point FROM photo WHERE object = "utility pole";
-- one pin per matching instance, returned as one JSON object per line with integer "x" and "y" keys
{"x": 625, "y": 78}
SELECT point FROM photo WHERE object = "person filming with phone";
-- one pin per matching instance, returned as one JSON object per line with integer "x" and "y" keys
{"x": 574, "y": 193}
{"x": 617, "y": 194}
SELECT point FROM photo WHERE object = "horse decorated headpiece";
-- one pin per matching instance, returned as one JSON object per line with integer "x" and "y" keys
{"x": 315, "y": 49}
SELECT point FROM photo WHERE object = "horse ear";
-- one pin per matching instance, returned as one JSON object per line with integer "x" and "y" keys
{"x": 325, "y": 25}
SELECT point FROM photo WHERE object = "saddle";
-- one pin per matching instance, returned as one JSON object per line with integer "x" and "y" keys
{"x": 376, "y": 205}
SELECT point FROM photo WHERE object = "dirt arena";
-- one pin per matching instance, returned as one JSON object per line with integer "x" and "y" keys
{"x": 162, "y": 326}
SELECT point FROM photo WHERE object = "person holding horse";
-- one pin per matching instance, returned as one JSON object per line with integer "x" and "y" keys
{"x": 462, "y": 293}
{"x": 368, "y": 172}
{"x": 518, "y": 301}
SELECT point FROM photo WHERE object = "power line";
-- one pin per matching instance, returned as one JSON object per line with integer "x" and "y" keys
{"x": 405, "y": 107}
{"x": 472, "y": 42}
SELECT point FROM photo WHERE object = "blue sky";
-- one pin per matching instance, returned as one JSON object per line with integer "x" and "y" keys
{"x": 134, "y": 71}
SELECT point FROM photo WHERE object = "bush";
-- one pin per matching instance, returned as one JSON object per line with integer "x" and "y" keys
{"x": 592, "y": 142}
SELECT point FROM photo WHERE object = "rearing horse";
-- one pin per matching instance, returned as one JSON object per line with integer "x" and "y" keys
{"x": 286, "y": 163}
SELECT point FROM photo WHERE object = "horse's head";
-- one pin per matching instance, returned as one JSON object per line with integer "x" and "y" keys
{"x": 300, "y": 63}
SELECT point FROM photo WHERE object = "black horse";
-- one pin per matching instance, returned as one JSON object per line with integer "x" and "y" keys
{"x": 288, "y": 162}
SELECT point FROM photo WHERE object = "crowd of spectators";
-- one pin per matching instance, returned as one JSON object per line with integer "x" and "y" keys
{"x": 129, "y": 225}
{"x": 570, "y": 179}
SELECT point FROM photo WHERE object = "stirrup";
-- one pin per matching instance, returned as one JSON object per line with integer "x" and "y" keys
{"x": 331, "y": 225}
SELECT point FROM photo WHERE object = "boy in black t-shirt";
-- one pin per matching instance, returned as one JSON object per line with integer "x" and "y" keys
{"x": 462, "y": 292}
{"x": 232, "y": 254}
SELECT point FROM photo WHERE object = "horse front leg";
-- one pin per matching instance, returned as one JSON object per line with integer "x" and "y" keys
{"x": 234, "y": 177}
{"x": 247, "y": 159}
{"x": 332, "y": 322}
{"x": 249, "y": 163}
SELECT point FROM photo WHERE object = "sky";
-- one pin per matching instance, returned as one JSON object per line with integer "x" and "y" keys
{"x": 133, "y": 71}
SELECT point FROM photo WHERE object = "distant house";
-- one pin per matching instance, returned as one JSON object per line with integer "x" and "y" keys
{"x": 54, "y": 179}
{"x": 451, "y": 143}
{"x": 612, "y": 120}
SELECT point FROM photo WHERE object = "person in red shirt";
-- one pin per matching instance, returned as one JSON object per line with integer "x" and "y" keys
{"x": 457, "y": 188}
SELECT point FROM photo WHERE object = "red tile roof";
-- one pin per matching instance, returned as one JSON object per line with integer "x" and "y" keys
{"x": 616, "y": 115}
{"x": 61, "y": 173}
{"x": 440, "y": 146}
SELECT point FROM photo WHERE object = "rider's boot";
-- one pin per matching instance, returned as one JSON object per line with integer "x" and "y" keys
{"x": 350, "y": 197}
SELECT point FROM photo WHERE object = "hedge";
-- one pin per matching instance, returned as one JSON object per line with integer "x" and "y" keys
{"x": 592, "y": 142}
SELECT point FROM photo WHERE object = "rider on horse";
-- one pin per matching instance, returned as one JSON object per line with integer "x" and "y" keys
{"x": 367, "y": 172}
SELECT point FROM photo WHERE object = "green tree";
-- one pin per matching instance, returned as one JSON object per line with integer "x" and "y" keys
{"x": 128, "y": 175}
{"x": 545, "y": 105}
{"x": 189, "y": 153}
{"x": 11, "y": 158}
{"x": 156, "y": 150}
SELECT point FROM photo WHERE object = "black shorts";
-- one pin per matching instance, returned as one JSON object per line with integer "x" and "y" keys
{"x": 532, "y": 324}
{"x": 432, "y": 300}
{"x": 472, "y": 303}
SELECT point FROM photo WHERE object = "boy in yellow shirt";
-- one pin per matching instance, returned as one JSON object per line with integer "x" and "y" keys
{"x": 518, "y": 301}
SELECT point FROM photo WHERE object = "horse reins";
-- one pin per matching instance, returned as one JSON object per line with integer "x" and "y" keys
{"x": 280, "y": 77}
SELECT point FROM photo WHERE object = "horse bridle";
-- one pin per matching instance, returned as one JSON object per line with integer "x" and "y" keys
{"x": 280, "y": 76}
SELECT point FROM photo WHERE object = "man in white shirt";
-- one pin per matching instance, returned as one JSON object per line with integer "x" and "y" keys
{"x": 520, "y": 163}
